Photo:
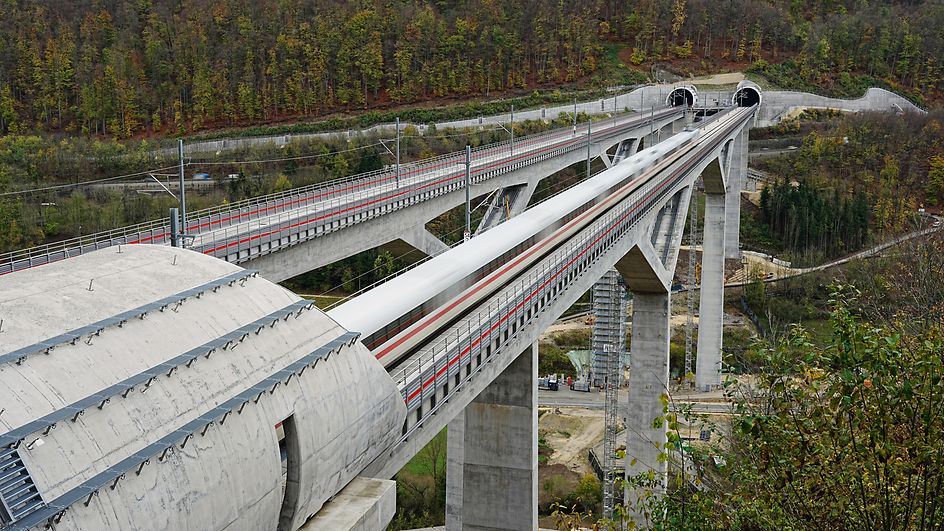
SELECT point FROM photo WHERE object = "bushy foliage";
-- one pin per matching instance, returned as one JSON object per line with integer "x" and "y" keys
{"x": 841, "y": 434}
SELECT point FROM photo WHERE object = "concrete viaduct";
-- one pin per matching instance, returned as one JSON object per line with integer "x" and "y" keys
{"x": 106, "y": 431}
{"x": 518, "y": 172}
{"x": 148, "y": 386}
{"x": 284, "y": 235}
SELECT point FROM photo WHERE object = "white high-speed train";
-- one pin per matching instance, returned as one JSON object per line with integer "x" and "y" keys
{"x": 399, "y": 315}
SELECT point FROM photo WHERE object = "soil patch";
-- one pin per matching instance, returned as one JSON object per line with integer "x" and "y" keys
{"x": 571, "y": 432}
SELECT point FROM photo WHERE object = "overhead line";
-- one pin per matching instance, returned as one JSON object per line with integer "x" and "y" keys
{"x": 84, "y": 183}
{"x": 284, "y": 159}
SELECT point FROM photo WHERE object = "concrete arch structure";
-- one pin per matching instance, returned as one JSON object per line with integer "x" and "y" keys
{"x": 685, "y": 95}
{"x": 162, "y": 386}
{"x": 748, "y": 94}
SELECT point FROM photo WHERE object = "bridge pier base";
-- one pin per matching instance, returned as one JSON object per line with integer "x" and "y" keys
{"x": 711, "y": 306}
{"x": 492, "y": 454}
{"x": 648, "y": 379}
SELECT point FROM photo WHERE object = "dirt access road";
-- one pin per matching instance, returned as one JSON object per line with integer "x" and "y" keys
{"x": 731, "y": 78}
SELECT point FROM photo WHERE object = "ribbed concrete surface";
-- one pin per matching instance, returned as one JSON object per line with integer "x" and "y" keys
{"x": 229, "y": 476}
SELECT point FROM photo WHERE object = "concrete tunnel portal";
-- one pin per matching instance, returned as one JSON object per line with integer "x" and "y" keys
{"x": 747, "y": 94}
{"x": 680, "y": 96}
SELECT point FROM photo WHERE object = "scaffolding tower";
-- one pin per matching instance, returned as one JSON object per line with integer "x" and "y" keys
{"x": 608, "y": 344}
{"x": 609, "y": 323}
{"x": 690, "y": 322}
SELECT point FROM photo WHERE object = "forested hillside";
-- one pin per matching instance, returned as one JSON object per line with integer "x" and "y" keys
{"x": 127, "y": 68}
{"x": 854, "y": 179}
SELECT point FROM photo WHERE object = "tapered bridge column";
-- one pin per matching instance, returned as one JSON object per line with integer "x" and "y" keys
{"x": 492, "y": 454}
{"x": 648, "y": 378}
{"x": 647, "y": 273}
{"x": 737, "y": 175}
{"x": 711, "y": 308}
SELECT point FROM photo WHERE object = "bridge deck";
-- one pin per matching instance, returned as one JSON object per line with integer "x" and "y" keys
{"x": 461, "y": 345}
{"x": 240, "y": 232}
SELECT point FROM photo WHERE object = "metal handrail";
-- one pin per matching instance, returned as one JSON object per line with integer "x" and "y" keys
{"x": 449, "y": 178}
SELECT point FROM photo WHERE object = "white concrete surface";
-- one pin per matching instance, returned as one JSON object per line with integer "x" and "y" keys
{"x": 492, "y": 483}
{"x": 648, "y": 380}
{"x": 346, "y": 408}
{"x": 711, "y": 307}
{"x": 737, "y": 177}
{"x": 365, "y": 504}
{"x": 304, "y": 250}
{"x": 781, "y": 103}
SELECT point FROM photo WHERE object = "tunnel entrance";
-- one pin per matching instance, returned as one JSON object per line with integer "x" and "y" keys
{"x": 746, "y": 97}
{"x": 290, "y": 457}
{"x": 681, "y": 96}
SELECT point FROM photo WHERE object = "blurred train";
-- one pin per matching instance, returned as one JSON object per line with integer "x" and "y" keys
{"x": 432, "y": 295}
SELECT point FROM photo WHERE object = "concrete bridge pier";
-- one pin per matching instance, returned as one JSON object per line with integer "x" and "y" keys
{"x": 720, "y": 190}
{"x": 507, "y": 203}
{"x": 492, "y": 454}
{"x": 648, "y": 381}
{"x": 648, "y": 140}
{"x": 737, "y": 177}
{"x": 711, "y": 305}
{"x": 647, "y": 270}
{"x": 659, "y": 134}
{"x": 426, "y": 242}
{"x": 626, "y": 148}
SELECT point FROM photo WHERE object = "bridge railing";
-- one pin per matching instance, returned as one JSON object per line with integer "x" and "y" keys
{"x": 237, "y": 243}
{"x": 506, "y": 313}
{"x": 312, "y": 219}
{"x": 512, "y": 309}
{"x": 201, "y": 221}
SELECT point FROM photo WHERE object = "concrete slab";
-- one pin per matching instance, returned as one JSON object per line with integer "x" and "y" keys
{"x": 365, "y": 504}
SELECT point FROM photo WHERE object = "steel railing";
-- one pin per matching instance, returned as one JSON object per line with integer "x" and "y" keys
{"x": 506, "y": 313}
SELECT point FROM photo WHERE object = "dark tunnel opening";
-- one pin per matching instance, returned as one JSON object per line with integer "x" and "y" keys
{"x": 746, "y": 97}
{"x": 681, "y": 96}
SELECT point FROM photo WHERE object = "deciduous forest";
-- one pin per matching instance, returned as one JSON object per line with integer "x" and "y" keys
{"x": 167, "y": 67}
{"x": 836, "y": 424}
{"x": 851, "y": 179}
